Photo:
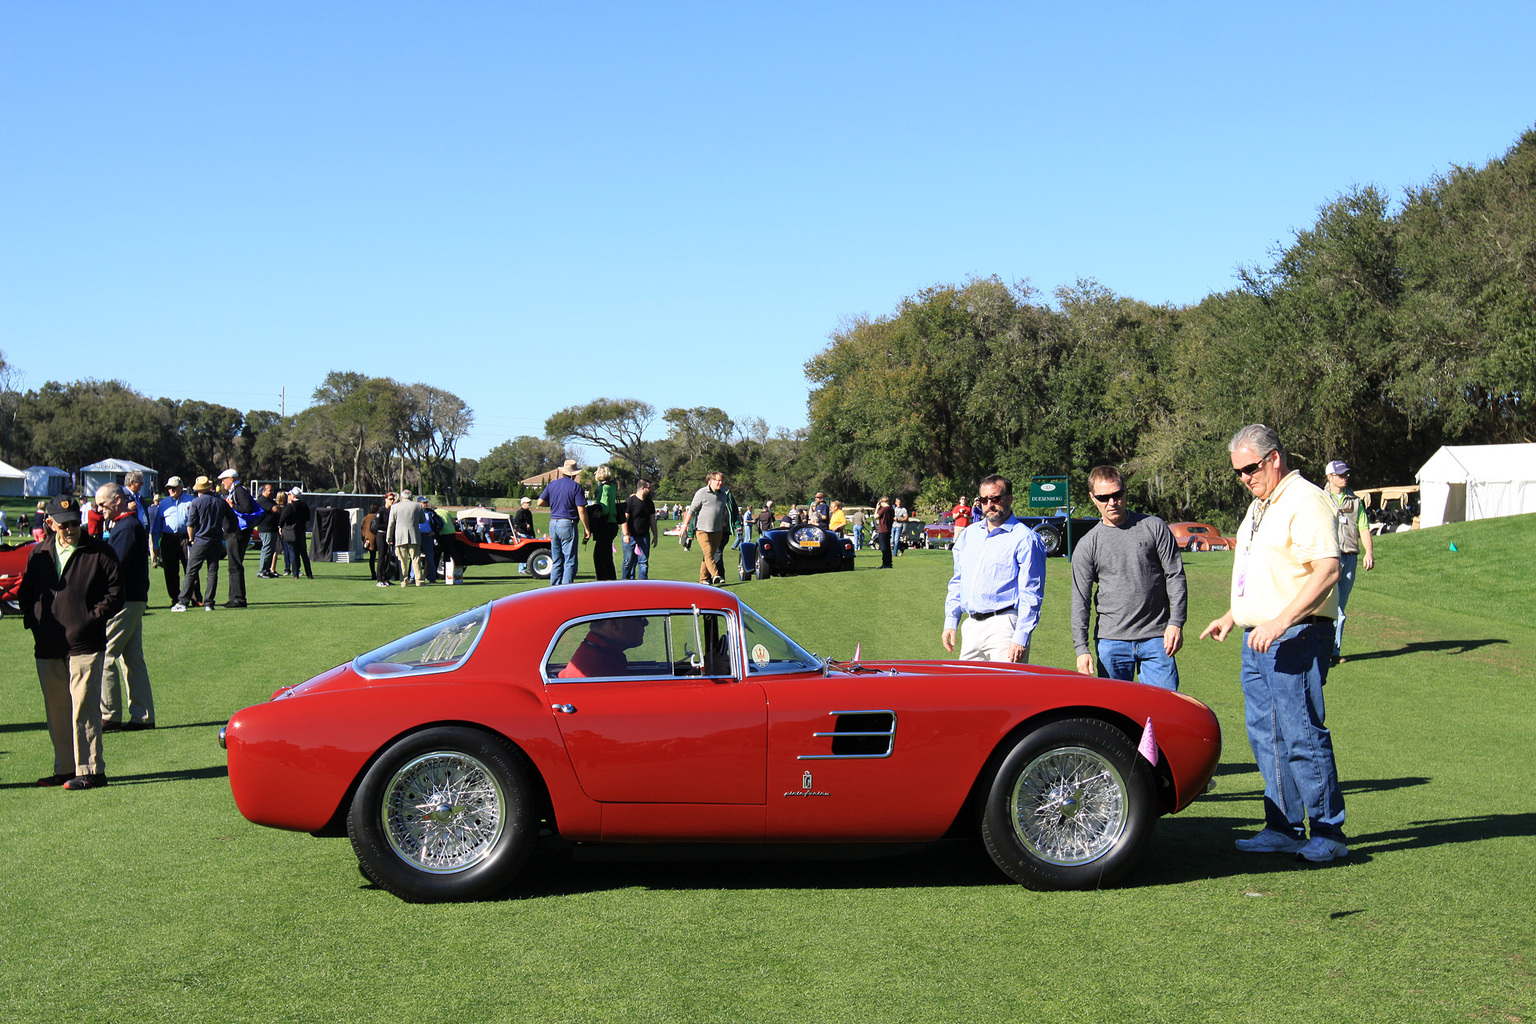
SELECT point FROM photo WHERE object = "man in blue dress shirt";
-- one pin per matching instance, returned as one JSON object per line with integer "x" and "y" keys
{"x": 999, "y": 581}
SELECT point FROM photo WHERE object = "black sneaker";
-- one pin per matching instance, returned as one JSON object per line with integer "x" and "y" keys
{"x": 137, "y": 726}
{"x": 86, "y": 782}
{"x": 110, "y": 725}
{"x": 55, "y": 780}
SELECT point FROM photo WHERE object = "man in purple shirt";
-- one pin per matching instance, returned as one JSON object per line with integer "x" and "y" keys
{"x": 566, "y": 503}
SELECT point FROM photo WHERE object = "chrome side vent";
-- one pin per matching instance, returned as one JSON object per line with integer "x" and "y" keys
{"x": 858, "y": 734}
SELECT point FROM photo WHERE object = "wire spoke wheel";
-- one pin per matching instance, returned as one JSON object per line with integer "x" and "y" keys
{"x": 1069, "y": 806}
{"x": 442, "y": 812}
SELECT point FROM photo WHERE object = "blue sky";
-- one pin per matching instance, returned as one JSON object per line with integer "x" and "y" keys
{"x": 537, "y": 205}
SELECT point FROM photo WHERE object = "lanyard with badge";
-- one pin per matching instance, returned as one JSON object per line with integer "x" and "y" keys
{"x": 1260, "y": 507}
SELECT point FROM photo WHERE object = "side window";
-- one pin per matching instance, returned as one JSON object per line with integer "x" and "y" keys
{"x": 648, "y": 645}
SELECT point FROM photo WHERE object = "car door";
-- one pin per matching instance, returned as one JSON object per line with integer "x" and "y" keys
{"x": 670, "y": 722}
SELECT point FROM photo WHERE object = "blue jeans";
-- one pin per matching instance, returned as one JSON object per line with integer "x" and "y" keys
{"x": 1347, "y": 565}
{"x": 637, "y": 558}
{"x": 1120, "y": 659}
{"x": 858, "y": 538}
{"x": 896, "y": 537}
{"x": 562, "y": 552}
{"x": 1283, "y": 695}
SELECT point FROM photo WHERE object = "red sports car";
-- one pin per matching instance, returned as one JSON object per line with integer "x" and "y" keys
{"x": 13, "y": 566}
{"x": 658, "y": 712}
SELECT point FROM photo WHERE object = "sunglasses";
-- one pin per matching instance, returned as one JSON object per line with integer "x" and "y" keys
{"x": 1111, "y": 496}
{"x": 1251, "y": 468}
{"x": 993, "y": 499}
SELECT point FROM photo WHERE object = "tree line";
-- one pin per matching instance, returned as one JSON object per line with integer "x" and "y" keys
{"x": 1376, "y": 336}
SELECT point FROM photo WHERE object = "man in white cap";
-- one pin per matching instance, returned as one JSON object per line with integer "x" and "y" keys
{"x": 1354, "y": 536}
{"x": 247, "y": 512}
{"x": 168, "y": 537}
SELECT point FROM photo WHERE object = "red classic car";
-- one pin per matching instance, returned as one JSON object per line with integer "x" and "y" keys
{"x": 1201, "y": 537}
{"x": 671, "y": 712}
{"x": 13, "y": 565}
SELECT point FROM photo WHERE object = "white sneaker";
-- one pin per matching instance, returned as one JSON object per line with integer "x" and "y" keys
{"x": 178, "y": 607}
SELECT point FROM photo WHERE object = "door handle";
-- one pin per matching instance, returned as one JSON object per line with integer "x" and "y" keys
{"x": 564, "y": 709}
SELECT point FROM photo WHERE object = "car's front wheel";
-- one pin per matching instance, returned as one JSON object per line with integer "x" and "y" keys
{"x": 539, "y": 563}
{"x": 1071, "y": 807}
{"x": 764, "y": 571}
{"x": 1051, "y": 537}
{"x": 443, "y": 814}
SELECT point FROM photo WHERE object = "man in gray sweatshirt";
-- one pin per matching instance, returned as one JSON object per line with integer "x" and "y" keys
{"x": 1142, "y": 594}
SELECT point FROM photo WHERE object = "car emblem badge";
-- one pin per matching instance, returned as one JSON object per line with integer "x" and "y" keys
{"x": 805, "y": 788}
{"x": 759, "y": 655}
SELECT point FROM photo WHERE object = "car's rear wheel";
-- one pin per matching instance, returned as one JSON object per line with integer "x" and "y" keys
{"x": 763, "y": 570}
{"x": 443, "y": 814}
{"x": 1051, "y": 536}
{"x": 1072, "y": 807}
{"x": 539, "y": 563}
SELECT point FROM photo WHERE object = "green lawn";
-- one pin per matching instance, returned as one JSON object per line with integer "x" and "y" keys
{"x": 154, "y": 899}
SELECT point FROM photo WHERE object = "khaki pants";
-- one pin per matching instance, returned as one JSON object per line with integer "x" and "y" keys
{"x": 125, "y": 667}
{"x": 989, "y": 639}
{"x": 712, "y": 547}
{"x": 72, "y": 701}
{"x": 410, "y": 560}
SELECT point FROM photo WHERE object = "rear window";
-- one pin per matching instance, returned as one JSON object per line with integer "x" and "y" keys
{"x": 440, "y": 647}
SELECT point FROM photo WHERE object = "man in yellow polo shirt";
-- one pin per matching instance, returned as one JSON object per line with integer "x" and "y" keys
{"x": 1285, "y": 597}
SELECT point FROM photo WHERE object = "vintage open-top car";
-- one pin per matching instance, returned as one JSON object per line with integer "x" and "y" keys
{"x": 484, "y": 537}
{"x": 794, "y": 550}
{"x": 658, "y": 712}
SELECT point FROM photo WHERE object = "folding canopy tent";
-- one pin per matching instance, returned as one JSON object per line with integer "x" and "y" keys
{"x": 111, "y": 471}
{"x": 13, "y": 482}
{"x": 46, "y": 481}
{"x": 1465, "y": 482}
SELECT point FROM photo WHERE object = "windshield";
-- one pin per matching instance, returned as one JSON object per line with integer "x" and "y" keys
{"x": 440, "y": 647}
{"x": 768, "y": 650}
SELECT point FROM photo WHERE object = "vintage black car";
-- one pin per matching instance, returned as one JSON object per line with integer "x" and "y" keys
{"x": 796, "y": 550}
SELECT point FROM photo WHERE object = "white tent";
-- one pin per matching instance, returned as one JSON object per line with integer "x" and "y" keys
{"x": 1478, "y": 481}
{"x": 13, "y": 482}
{"x": 46, "y": 481}
{"x": 111, "y": 471}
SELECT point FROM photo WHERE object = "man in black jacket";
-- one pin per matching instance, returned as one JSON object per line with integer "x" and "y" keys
{"x": 208, "y": 521}
{"x": 69, "y": 593}
{"x": 125, "y": 667}
{"x": 237, "y": 541}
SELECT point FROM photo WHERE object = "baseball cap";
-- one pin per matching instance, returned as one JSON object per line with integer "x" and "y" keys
{"x": 63, "y": 509}
{"x": 1337, "y": 468}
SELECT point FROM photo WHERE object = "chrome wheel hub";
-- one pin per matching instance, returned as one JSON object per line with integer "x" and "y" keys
{"x": 1069, "y": 806}
{"x": 443, "y": 812}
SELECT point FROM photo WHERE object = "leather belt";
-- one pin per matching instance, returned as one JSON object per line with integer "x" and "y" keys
{"x": 1317, "y": 620}
{"x": 983, "y": 616}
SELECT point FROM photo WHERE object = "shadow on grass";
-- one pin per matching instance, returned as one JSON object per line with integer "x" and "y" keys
{"x": 22, "y": 726}
{"x": 1182, "y": 850}
{"x": 1426, "y": 647}
{"x": 1350, "y": 786}
{"x": 217, "y": 771}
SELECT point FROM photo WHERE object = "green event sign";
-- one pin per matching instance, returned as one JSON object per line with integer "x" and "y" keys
{"x": 1047, "y": 491}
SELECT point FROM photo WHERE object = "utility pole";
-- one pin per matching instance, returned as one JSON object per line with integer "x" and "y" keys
{"x": 282, "y": 402}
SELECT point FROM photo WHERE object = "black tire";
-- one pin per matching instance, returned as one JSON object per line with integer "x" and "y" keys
{"x": 539, "y": 564}
{"x": 1051, "y": 536}
{"x": 763, "y": 570}
{"x": 1072, "y": 807}
{"x": 477, "y": 843}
